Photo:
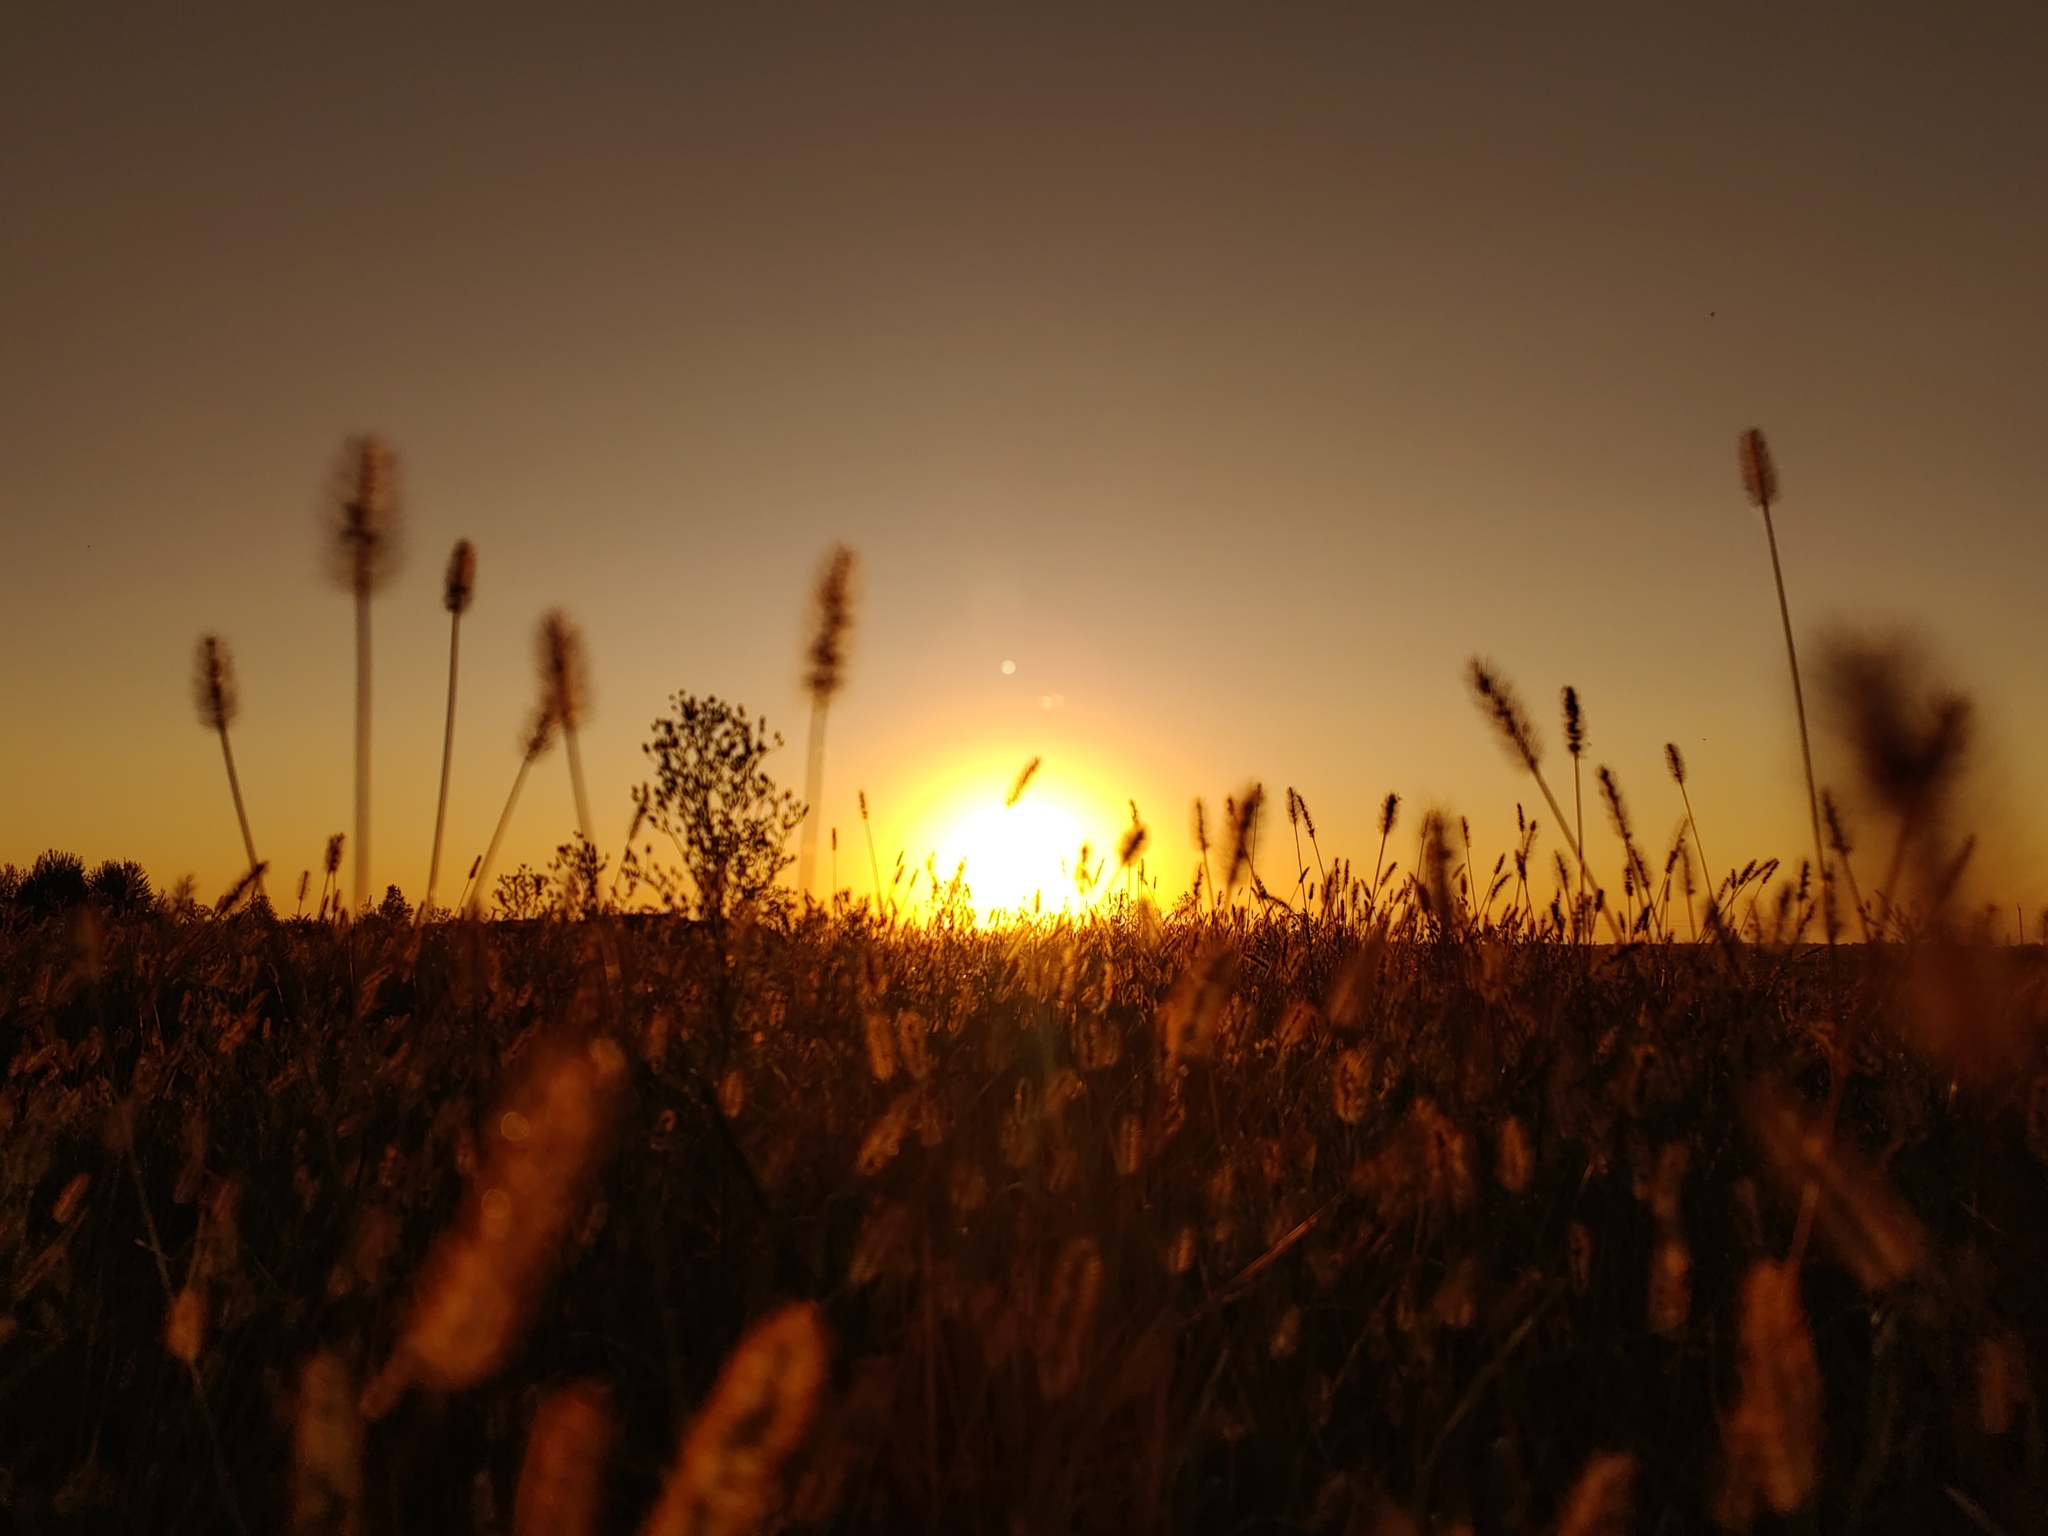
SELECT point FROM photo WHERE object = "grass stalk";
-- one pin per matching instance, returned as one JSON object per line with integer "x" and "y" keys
{"x": 457, "y": 591}
{"x": 1760, "y": 480}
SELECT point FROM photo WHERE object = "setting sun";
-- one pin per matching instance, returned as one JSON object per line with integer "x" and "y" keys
{"x": 1021, "y": 856}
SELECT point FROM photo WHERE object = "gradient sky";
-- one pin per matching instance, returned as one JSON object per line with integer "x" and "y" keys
{"x": 1237, "y": 373}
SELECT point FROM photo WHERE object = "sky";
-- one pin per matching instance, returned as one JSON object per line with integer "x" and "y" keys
{"x": 1231, "y": 374}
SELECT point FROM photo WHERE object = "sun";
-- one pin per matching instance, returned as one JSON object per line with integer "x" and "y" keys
{"x": 1023, "y": 858}
{"x": 1016, "y": 856}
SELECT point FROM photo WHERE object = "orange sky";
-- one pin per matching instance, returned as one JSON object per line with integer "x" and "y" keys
{"x": 1236, "y": 374}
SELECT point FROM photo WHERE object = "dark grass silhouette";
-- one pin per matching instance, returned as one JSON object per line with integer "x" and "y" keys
{"x": 458, "y": 590}
{"x": 1188, "y": 1222}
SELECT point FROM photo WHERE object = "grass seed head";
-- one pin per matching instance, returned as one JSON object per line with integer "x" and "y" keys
{"x": 363, "y": 550}
{"x": 831, "y": 622}
{"x": 458, "y": 587}
{"x": 1773, "y": 1439}
{"x": 564, "y": 669}
{"x": 213, "y": 684}
{"x": 1497, "y": 699}
{"x": 561, "y": 1478}
{"x": 1759, "y": 474}
{"x": 484, "y": 1276}
{"x": 726, "y": 1480}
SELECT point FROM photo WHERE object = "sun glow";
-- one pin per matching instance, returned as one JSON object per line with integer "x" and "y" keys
{"x": 1023, "y": 858}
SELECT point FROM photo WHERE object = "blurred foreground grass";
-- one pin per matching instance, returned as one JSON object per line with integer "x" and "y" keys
{"x": 1207, "y": 1223}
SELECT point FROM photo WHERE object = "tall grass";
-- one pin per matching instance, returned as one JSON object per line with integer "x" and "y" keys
{"x": 831, "y": 623}
{"x": 363, "y": 555}
{"x": 458, "y": 588}
{"x": 1760, "y": 484}
{"x": 213, "y": 690}
{"x": 1147, "y": 1221}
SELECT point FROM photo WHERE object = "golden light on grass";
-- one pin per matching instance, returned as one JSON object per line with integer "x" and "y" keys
{"x": 1773, "y": 1438}
{"x": 485, "y": 1273}
{"x": 727, "y": 1474}
{"x": 561, "y": 1478}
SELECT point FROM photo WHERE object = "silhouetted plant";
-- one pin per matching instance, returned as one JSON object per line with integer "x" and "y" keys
{"x": 53, "y": 885}
{"x": 713, "y": 800}
{"x": 213, "y": 690}
{"x": 832, "y": 619}
{"x": 565, "y": 696}
{"x": 1907, "y": 737}
{"x": 363, "y": 555}
{"x": 1760, "y": 484}
{"x": 120, "y": 887}
{"x": 540, "y": 735}
{"x": 457, "y": 589}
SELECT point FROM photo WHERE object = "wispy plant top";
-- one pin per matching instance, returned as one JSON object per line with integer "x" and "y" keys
{"x": 1759, "y": 474}
{"x": 832, "y": 619}
{"x": 459, "y": 586}
{"x": 564, "y": 672}
{"x": 363, "y": 552}
{"x": 213, "y": 684}
{"x": 1497, "y": 697}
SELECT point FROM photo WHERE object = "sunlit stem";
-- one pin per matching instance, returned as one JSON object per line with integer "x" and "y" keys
{"x": 1799, "y": 703}
{"x": 447, "y": 760}
{"x": 814, "y": 786}
{"x": 576, "y": 784}
{"x": 241, "y": 814}
{"x": 362, "y": 861}
{"x": 483, "y": 869}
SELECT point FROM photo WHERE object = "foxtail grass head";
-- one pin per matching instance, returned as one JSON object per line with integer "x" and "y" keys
{"x": 1496, "y": 696}
{"x": 1759, "y": 474}
{"x": 1675, "y": 761}
{"x": 458, "y": 587}
{"x": 1023, "y": 781}
{"x": 1617, "y": 807}
{"x": 213, "y": 684}
{"x": 1574, "y": 722}
{"x": 1132, "y": 843}
{"x": 1390, "y": 812}
{"x": 831, "y": 622}
{"x": 363, "y": 551}
{"x": 332, "y": 861}
{"x": 1244, "y": 811}
{"x": 540, "y": 732}
{"x": 1908, "y": 736}
{"x": 564, "y": 671}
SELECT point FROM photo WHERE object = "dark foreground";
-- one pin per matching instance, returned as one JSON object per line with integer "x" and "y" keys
{"x": 1125, "y": 1227}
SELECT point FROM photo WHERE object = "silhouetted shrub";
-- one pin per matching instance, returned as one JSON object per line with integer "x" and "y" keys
{"x": 120, "y": 886}
{"x": 54, "y": 884}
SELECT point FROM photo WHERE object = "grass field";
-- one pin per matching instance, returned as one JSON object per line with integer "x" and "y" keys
{"x": 1353, "y": 1221}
